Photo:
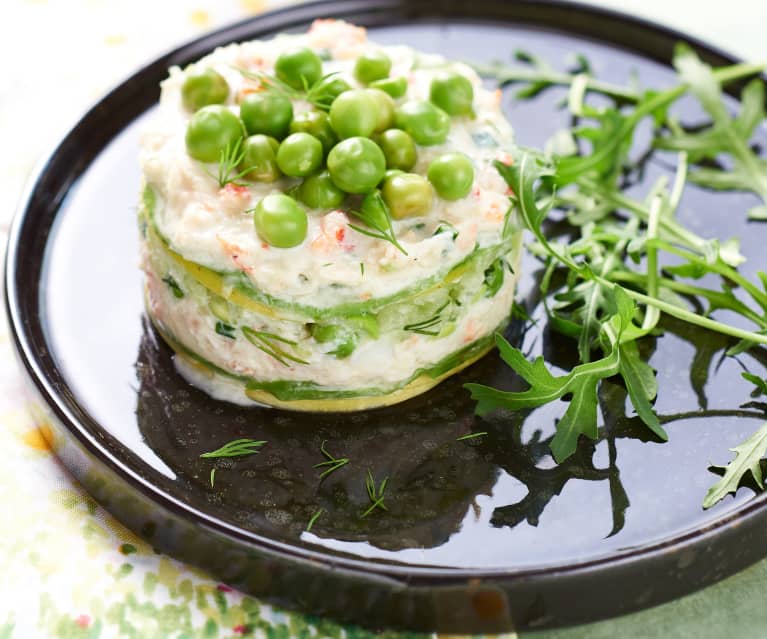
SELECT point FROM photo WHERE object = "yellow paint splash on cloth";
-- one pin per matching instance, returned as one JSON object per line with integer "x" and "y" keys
{"x": 40, "y": 438}
{"x": 115, "y": 39}
{"x": 253, "y": 6}
{"x": 200, "y": 18}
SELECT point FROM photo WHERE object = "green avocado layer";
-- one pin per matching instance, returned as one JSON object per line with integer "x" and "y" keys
{"x": 234, "y": 285}
{"x": 288, "y": 390}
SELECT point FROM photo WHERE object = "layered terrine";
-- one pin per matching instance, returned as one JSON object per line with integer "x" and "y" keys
{"x": 322, "y": 224}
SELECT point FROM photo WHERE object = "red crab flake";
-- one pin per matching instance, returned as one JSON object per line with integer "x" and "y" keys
{"x": 340, "y": 234}
{"x": 240, "y": 629}
{"x": 83, "y": 621}
{"x": 235, "y": 189}
{"x": 224, "y": 588}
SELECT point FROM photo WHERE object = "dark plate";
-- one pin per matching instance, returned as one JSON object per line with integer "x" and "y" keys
{"x": 481, "y": 535}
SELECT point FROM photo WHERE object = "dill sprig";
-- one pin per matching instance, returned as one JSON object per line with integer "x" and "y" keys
{"x": 470, "y": 436}
{"x": 311, "y": 94}
{"x": 270, "y": 82}
{"x": 446, "y": 227}
{"x": 332, "y": 463}
{"x": 173, "y": 286}
{"x": 236, "y": 448}
{"x": 268, "y": 343}
{"x": 424, "y": 327}
{"x": 230, "y": 158}
{"x": 225, "y": 330}
{"x": 377, "y": 216}
{"x": 314, "y": 518}
{"x": 314, "y": 95}
{"x": 376, "y": 495}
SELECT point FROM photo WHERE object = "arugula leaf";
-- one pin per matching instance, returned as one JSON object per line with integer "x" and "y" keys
{"x": 603, "y": 281}
{"x": 712, "y": 141}
{"x": 759, "y": 382}
{"x": 641, "y": 385}
{"x": 727, "y": 135}
{"x": 581, "y": 383}
{"x": 748, "y": 456}
{"x": 493, "y": 277}
{"x": 522, "y": 176}
{"x": 612, "y": 141}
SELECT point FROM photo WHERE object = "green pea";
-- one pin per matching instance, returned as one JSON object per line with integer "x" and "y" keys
{"x": 356, "y": 165}
{"x": 399, "y": 149}
{"x": 268, "y": 113}
{"x": 407, "y": 195}
{"x": 319, "y": 192}
{"x": 426, "y": 123}
{"x": 324, "y": 93}
{"x": 384, "y": 109}
{"x": 453, "y": 93}
{"x": 371, "y": 66}
{"x": 395, "y": 87}
{"x": 354, "y": 113}
{"x": 324, "y": 333}
{"x": 210, "y": 131}
{"x": 280, "y": 221}
{"x": 299, "y": 67}
{"x": 391, "y": 173}
{"x": 452, "y": 175}
{"x": 316, "y": 123}
{"x": 299, "y": 154}
{"x": 203, "y": 87}
{"x": 259, "y": 158}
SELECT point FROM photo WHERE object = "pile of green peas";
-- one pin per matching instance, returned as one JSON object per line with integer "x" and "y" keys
{"x": 355, "y": 140}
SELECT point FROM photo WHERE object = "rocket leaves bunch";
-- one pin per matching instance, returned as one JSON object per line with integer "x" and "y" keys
{"x": 604, "y": 284}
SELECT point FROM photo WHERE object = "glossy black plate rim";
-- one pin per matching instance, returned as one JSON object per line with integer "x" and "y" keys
{"x": 131, "y": 98}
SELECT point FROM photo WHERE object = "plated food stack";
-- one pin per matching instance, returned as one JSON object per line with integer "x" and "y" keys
{"x": 323, "y": 228}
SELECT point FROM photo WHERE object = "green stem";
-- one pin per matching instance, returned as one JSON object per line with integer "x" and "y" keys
{"x": 572, "y": 172}
{"x": 687, "y": 289}
{"x": 668, "y": 224}
{"x": 653, "y": 314}
{"x": 508, "y": 75}
{"x": 738, "y": 71}
{"x": 719, "y": 268}
{"x": 688, "y": 316}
